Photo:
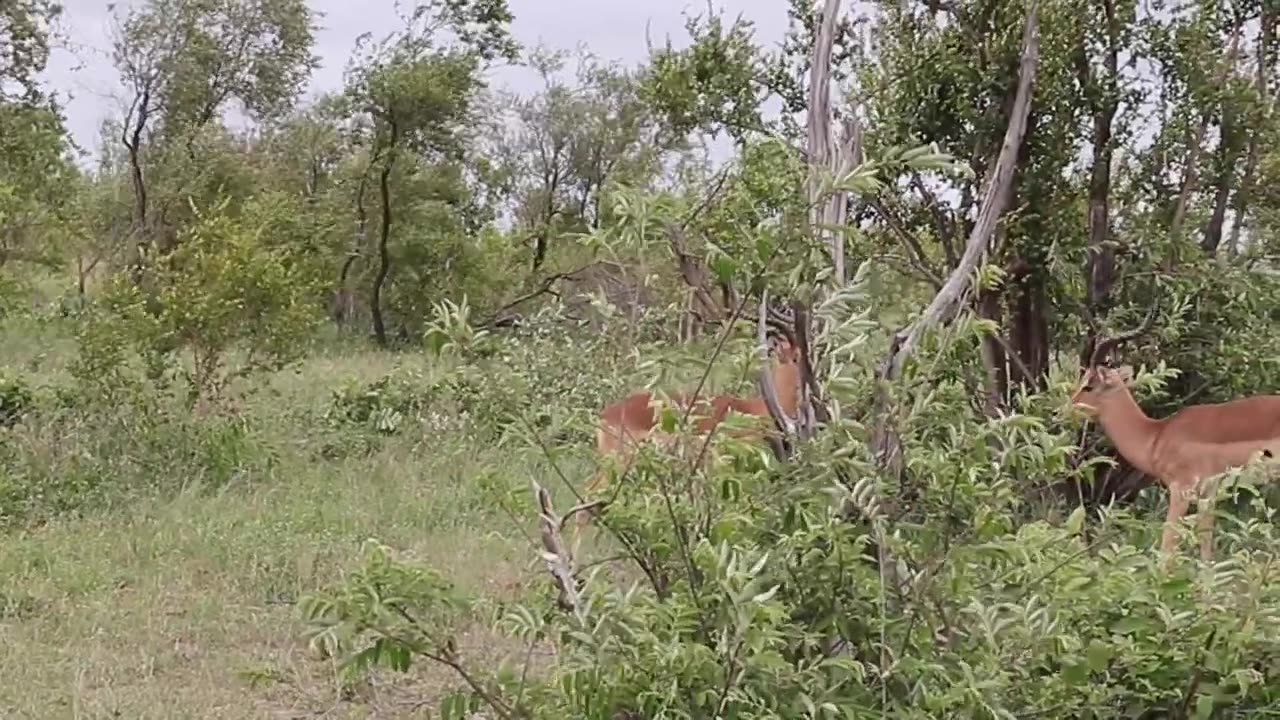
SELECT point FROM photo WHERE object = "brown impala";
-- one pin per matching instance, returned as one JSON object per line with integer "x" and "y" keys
{"x": 1185, "y": 451}
{"x": 626, "y": 423}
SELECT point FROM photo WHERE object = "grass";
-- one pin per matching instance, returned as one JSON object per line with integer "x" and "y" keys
{"x": 184, "y": 606}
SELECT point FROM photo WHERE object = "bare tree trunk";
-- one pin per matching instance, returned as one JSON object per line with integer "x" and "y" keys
{"x": 945, "y": 303}
{"x": 132, "y": 140}
{"x": 825, "y": 153}
{"x": 1100, "y": 267}
{"x": 384, "y": 237}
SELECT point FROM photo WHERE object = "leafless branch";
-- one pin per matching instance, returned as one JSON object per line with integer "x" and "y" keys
{"x": 544, "y": 288}
{"x": 556, "y": 554}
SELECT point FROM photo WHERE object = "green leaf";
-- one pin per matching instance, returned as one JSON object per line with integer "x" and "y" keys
{"x": 668, "y": 419}
{"x": 1129, "y": 625}
{"x": 1098, "y": 655}
{"x": 1075, "y": 673}
{"x": 1075, "y": 522}
{"x": 725, "y": 267}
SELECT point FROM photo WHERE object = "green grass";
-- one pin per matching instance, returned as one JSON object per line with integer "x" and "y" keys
{"x": 184, "y": 606}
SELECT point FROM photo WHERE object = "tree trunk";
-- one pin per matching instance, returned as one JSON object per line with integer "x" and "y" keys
{"x": 1223, "y": 184}
{"x": 1100, "y": 267}
{"x": 1029, "y": 323}
{"x": 344, "y": 298}
{"x": 1028, "y": 327}
{"x": 384, "y": 236}
{"x": 994, "y": 362}
{"x": 132, "y": 140}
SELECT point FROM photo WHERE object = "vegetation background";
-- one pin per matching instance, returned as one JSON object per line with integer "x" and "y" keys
{"x": 278, "y": 397}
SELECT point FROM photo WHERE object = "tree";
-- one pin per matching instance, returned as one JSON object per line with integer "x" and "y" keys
{"x": 569, "y": 141}
{"x": 182, "y": 62}
{"x": 417, "y": 88}
{"x": 35, "y": 170}
{"x": 25, "y": 26}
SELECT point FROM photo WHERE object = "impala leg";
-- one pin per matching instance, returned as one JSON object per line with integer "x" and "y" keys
{"x": 1179, "y": 501}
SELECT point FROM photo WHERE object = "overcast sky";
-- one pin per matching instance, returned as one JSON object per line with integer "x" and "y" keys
{"x": 613, "y": 29}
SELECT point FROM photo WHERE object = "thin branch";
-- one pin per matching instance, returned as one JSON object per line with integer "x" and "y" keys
{"x": 941, "y": 222}
{"x": 916, "y": 255}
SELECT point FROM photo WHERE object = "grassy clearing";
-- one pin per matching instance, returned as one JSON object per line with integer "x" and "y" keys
{"x": 184, "y": 606}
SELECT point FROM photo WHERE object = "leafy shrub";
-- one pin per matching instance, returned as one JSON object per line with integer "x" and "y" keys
{"x": 224, "y": 300}
{"x": 15, "y": 399}
{"x": 485, "y": 386}
{"x": 826, "y": 588}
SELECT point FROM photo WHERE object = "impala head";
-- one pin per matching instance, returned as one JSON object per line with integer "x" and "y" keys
{"x": 1099, "y": 386}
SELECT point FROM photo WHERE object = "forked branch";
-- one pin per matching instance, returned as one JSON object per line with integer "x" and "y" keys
{"x": 1106, "y": 345}
{"x": 555, "y": 553}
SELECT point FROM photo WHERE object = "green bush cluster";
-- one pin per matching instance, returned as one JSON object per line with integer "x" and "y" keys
{"x": 71, "y": 459}
{"x": 971, "y": 585}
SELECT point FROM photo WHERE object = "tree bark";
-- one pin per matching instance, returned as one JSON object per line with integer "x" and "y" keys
{"x": 384, "y": 236}
{"x": 1101, "y": 264}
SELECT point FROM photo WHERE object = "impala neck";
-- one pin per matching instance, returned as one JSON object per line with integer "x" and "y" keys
{"x": 786, "y": 382}
{"x": 1130, "y": 430}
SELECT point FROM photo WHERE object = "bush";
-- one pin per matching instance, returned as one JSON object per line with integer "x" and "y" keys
{"x": 220, "y": 306}
{"x": 79, "y": 457}
{"x": 15, "y": 399}
{"x": 827, "y": 588}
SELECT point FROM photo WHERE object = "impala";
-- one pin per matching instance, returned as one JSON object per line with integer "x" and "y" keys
{"x": 1185, "y": 451}
{"x": 624, "y": 424}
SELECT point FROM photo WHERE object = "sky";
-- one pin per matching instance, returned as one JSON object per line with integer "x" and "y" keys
{"x": 81, "y": 71}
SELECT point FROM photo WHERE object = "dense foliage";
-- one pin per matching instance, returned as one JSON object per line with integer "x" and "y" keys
{"x": 950, "y": 542}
